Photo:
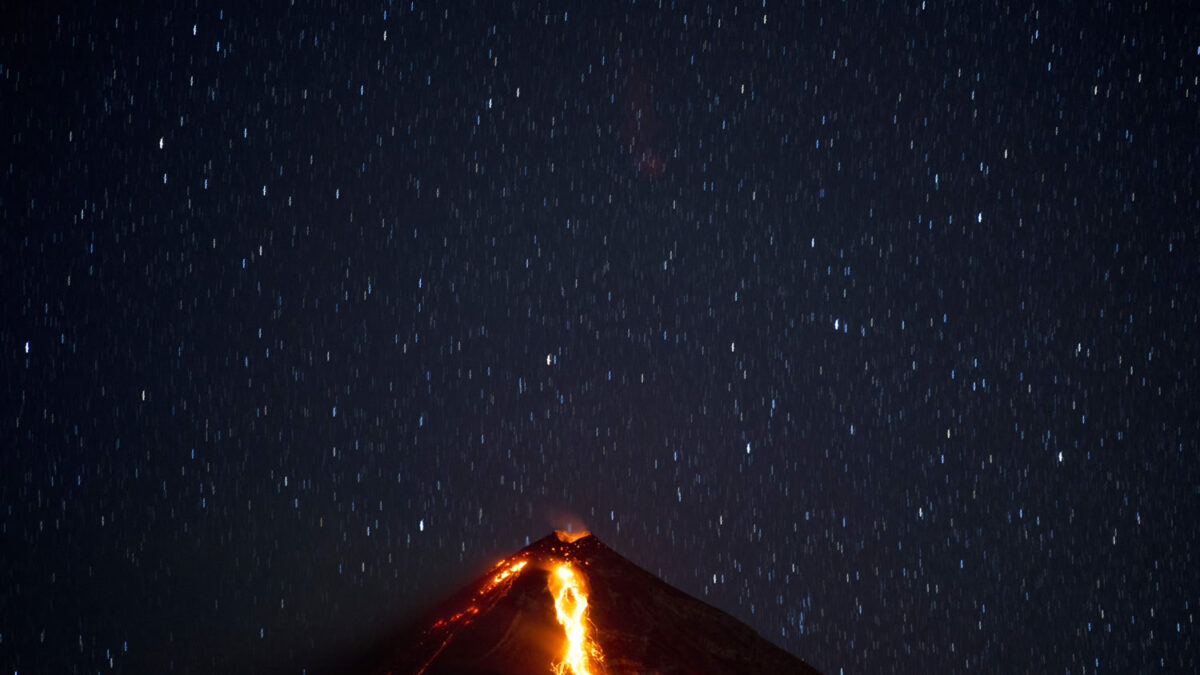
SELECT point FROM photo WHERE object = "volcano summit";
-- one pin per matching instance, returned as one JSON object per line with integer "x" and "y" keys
{"x": 569, "y": 605}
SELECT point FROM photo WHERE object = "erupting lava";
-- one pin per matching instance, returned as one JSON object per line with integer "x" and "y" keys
{"x": 473, "y": 608}
{"x": 508, "y": 572}
{"x": 570, "y": 604}
{"x": 570, "y": 537}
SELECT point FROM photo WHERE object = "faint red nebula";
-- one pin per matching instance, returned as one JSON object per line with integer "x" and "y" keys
{"x": 642, "y": 129}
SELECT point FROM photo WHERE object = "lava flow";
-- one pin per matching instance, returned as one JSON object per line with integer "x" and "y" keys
{"x": 473, "y": 608}
{"x": 570, "y": 604}
{"x": 508, "y": 572}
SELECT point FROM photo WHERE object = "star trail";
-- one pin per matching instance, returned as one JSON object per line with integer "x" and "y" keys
{"x": 872, "y": 324}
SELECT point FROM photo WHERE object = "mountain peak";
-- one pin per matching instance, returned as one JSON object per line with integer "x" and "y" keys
{"x": 569, "y": 605}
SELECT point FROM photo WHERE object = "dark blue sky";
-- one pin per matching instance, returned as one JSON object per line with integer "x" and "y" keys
{"x": 874, "y": 325}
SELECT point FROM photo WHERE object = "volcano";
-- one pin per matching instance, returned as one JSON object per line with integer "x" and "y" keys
{"x": 569, "y": 605}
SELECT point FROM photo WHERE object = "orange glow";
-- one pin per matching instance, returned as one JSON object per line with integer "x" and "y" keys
{"x": 571, "y": 537}
{"x": 473, "y": 609}
{"x": 567, "y": 586}
{"x": 570, "y": 604}
{"x": 508, "y": 572}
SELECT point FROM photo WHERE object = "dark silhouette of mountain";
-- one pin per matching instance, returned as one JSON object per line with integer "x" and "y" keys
{"x": 507, "y": 623}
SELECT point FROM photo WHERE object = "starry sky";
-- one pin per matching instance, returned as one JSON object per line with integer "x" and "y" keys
{"x": 873, "y": 324}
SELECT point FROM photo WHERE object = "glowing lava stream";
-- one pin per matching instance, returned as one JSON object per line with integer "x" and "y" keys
{"x": 511, "y": 570}
{"x": 570, "y": 604}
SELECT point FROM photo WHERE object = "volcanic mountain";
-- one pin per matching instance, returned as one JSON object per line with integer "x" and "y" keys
{"x": 569, "y": 605}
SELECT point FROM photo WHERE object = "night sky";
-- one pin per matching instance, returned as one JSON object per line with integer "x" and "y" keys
{"x": 872, "y": 324}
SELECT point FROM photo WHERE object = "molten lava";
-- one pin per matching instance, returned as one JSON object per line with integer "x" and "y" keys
{"x": 508, "y": 572}
{"x": 570, "y": 604}
{"x": 473, "y": 609}
{"x": 567, "y": 588}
